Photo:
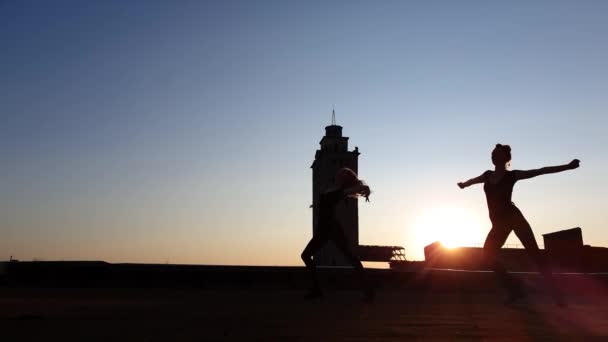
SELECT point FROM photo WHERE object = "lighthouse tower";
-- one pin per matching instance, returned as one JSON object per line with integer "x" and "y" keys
{"x": 332, "y": 156}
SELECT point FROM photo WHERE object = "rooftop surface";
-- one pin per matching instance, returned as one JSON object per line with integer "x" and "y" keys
{"x": 258, "y": 315}
{"x": 95, "y": 301}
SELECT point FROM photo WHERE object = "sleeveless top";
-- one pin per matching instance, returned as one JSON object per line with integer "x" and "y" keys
{"x": 499, "y": 195}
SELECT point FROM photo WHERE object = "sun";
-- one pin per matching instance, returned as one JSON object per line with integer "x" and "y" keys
{"x": 452, "y": 226}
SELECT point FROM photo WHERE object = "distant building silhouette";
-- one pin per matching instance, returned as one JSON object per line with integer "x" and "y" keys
{"x": 333, "y": 155}
{"x": 564, "y": 250}
{"x": 564, "y": 239}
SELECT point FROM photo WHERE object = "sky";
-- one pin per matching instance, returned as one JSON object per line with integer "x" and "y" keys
{"x": 184, "y": 131}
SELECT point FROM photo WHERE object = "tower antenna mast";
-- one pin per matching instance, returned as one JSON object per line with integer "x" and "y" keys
{"x": 333, "y": 116}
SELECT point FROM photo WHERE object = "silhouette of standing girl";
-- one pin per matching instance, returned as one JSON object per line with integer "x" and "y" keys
{"x": 346, "y": 185}
{"x": 506, "y": 217}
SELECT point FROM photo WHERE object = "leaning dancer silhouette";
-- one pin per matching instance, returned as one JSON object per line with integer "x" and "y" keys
{"x": 506, "y": 217}
{"x": 347, "y": 184}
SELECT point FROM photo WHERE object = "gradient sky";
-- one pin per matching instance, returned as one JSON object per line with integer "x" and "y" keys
{"x": 183, "y": 131}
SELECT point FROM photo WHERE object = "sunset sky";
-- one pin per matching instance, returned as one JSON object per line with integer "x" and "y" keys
{"x": 183, "y": 131}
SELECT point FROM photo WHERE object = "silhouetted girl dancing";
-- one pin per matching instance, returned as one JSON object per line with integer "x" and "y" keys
{"x": 506, "y": 217}
{"x": 346, "y": 185}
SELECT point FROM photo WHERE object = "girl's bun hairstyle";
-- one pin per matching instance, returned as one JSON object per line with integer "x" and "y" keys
{"x": 506, "y": 149}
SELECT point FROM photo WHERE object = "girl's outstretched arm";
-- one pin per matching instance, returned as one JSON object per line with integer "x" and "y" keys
{"x": 525, "y": 174}
{"x": 359, "y": 189}
{"x": 476, "y": 180}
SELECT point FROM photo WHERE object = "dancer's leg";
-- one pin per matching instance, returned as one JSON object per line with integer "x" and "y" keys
{"x": 523, "y": 230}
{"x": 494, "y": 241}
{"x": 312, "y": 247}
{"x": 524, "y": 233}
{"x": 341, "y": 243}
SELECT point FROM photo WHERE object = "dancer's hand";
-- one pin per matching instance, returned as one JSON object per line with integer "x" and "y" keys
{"x": 365, "y": 192}
{"x": 574, "y": 164}
{"x": 461, "y": 185}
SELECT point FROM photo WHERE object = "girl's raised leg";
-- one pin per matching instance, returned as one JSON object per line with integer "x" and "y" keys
{"x": 312, "y": 247}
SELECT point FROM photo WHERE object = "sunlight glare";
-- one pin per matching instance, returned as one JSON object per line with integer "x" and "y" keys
{"x": 453, "y": 227}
